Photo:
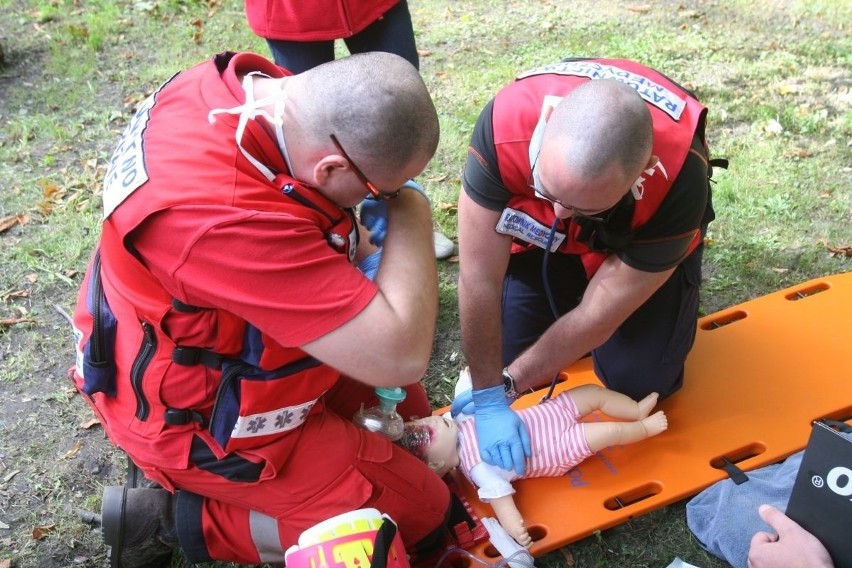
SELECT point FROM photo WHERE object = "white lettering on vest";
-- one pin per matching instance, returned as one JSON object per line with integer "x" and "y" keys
{"x": 126, "y": 172}
{"x": 657, "y": 95}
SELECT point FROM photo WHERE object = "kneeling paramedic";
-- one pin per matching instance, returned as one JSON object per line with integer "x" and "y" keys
{"x": 225, "y": 335}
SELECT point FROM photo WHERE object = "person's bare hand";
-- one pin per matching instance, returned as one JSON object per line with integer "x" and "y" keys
{"x": 791, "y": 547}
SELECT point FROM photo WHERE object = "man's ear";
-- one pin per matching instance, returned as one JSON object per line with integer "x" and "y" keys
{"x": 653, "y": 161}
{"x": 326, "y": 166}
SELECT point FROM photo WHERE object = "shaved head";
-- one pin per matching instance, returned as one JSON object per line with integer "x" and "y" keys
{"x": 601, "y": 124}
{"x": 375, "y": 103}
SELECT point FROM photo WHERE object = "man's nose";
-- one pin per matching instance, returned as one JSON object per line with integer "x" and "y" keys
{"x": 562, "y": 212}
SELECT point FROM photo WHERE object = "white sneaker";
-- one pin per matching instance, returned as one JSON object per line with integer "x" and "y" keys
{"x": 444, "y": 247}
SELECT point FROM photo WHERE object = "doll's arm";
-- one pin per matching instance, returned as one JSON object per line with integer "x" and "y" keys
{"x": 511, "y": 520}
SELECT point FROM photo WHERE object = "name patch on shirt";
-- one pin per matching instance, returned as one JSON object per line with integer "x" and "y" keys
{"x": 657, "y": 95}
{"x": 521, "y": 226}
{"x": 127, "y": 172}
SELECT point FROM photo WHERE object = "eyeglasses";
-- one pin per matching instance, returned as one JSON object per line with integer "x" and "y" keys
{"x": 374, "y": 191}
{"x": 598, "y": 216}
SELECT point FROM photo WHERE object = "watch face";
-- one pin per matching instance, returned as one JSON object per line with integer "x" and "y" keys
{"x": 509, "y": 384}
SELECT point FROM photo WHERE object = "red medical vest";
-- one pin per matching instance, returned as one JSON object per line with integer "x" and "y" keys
{"x": 518, "y": 108}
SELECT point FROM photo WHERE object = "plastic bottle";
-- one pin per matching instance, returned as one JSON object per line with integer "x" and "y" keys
{"x": 383, "y": 418}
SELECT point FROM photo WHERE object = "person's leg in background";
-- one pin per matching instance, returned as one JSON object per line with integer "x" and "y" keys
{"x": 393, "y": 33}
{"x": 298, "y": 56}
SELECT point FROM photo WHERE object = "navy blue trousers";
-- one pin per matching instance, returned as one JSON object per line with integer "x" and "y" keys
{"x": 645, "y": 354}
{"x": 393, "y": 33}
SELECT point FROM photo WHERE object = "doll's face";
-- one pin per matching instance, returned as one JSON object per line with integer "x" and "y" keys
{"x": 440, "y": 438}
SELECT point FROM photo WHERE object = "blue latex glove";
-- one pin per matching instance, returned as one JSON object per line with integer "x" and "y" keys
{"x": 374, "y": 214}
{"x": 374, "y": 217}
{"x": 370, "y": 265}
{"x": 463, "y": 403}
{"x": 503, "y": 437}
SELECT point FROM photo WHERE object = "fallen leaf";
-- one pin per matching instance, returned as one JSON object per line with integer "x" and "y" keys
{"x": 840, "y": 251}
{"x": 8, "y": 222}
{"x": 10, "y": 475}
{"x": 3, "y": 525}
{"x": 15, "y": 321}
{"x": 90, "y": 423}
{"x": 40, "y": 532}
{"x": 798, "y": 153}
{"x": 5, "y": 564}
{"x": 569, "y": 558}
{"x": 780, "y": 270}
{"x": 643, "y": 9}
{"x": 73, "y": 451}
{"x": 15, "y": 294}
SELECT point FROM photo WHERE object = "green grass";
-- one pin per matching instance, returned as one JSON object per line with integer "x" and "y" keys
{"x": 774, "y": 75}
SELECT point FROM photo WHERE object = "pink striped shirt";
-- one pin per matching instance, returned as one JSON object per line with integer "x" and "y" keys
{"x": 556, "y": 439}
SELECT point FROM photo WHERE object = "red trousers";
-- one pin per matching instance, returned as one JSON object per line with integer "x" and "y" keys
{"x": 336, "y": 467}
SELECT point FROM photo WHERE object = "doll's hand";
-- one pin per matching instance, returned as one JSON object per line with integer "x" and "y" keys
{"x": 519, "y": 532}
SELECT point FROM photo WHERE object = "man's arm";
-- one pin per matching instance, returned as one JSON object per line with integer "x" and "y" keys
{"x": 483, "y": 258}
{"x": 390, "y": 341}
{"x": 614, "y": 293}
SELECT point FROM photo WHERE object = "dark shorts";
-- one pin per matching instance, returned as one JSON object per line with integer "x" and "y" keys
{"x": 645, "y": 354}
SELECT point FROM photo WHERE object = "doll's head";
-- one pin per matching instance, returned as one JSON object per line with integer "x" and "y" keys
{"x": 434, "y": 440}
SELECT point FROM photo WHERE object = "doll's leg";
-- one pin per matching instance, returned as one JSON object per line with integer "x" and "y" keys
{"x": 600, "y": 435}
{"x": 589, "y": 398}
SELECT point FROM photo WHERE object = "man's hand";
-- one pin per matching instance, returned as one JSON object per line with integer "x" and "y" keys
{"x": 503, "y": 438}
{"x": 792, "y": 547}
{"x": 463, "y": 404}
{"x": 374, "y": 217}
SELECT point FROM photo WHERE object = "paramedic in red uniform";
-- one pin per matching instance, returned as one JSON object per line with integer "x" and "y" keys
{"x": 603, "y": 164}
{"x": 226, "y": 337}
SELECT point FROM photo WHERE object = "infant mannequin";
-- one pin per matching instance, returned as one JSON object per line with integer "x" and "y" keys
{"x": 559, "y": 442}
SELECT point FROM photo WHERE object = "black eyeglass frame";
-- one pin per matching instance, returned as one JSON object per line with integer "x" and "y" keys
{"x": 371, "y": 188}
{"x": 599, "y": 217}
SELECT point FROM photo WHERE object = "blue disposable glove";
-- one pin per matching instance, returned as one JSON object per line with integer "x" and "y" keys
{"x": 503, "y": 437}
{"x": 374, "y": 217}
{"x": 370, "y": 265}
{"x": 462, "y": 404}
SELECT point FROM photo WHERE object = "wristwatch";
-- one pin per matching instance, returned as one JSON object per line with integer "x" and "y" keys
{"x": 509, "y": 384}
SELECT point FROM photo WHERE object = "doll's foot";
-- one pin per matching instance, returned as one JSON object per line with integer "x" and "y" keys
{"x": 656, "y": 423}
{"x": 647, "y": 404}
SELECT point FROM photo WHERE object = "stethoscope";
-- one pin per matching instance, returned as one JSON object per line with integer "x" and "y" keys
{"x": 550, "y": 300}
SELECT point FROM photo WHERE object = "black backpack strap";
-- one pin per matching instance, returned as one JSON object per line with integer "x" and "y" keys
{"x": 382, "y": 546}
